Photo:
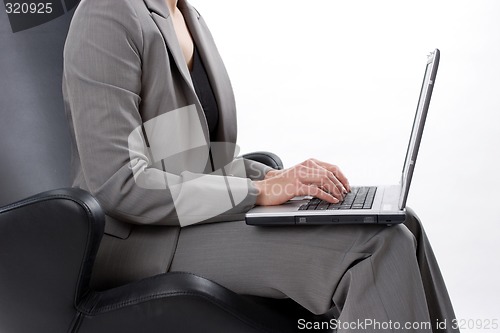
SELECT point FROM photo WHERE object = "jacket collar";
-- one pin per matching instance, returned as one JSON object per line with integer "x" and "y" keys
{"x": 159, "y": 7}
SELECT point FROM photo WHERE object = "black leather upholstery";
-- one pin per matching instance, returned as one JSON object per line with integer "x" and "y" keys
{"x": 47, "y": 248}
{"x": 267, "y": 158}
{"x": 34, "y": 136}
{"x": 182, "y": 302}
{"x": 48, "y": 242}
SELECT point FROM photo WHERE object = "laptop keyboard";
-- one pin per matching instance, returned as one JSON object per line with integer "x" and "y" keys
{"x": 358, "y": 198}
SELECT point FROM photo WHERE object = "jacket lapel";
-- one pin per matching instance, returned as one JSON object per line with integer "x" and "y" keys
{"x": 213, "y": 64}
{"x": 216, "y": 71}
{"x": 161, "y": 16}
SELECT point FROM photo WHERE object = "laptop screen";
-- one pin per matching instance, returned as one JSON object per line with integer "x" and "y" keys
{"x": 418, "y": 125}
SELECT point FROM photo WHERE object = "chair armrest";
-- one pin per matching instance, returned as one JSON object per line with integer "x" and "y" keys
{"x": 266, "y": 158}
{"x": 176, "y": 302}
{"x": 47, "y": 248}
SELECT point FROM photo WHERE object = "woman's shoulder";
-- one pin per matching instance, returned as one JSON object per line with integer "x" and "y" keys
{"x": 125, "y": 12}
{"x": 96, "y": 17}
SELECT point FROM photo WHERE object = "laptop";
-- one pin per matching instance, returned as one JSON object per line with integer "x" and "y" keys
{"x": 364, "y": 204}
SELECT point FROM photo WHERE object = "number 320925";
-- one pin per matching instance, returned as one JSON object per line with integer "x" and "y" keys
{"x": 28, "y": 8}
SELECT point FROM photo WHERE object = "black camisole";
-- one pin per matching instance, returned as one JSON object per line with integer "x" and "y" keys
{"x": 205, "y": 94}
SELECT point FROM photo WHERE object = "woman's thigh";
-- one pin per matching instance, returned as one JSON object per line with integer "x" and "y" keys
{"x": 302, "y": 262}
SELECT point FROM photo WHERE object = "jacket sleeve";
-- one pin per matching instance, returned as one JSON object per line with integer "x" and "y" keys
{"x": 252, "y": 169}
{"x": 102, "y": 89}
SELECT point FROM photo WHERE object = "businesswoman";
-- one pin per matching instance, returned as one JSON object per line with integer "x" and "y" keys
{"x": 153, "y": 122}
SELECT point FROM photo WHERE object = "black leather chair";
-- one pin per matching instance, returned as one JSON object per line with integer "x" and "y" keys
{"x": 48, "y": 241}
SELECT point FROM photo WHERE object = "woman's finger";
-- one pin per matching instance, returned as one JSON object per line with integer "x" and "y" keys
{"x": 336, "y": 171}
{"x": 315, "y": 191}
{"x": 323, "y": 179}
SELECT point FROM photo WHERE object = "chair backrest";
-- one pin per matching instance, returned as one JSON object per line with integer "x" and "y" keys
{"x": 47, "y": 243}
{"x": 34, "y": 135}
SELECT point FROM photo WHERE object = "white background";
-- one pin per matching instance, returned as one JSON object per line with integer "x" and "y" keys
{"x": 339, "y": 81}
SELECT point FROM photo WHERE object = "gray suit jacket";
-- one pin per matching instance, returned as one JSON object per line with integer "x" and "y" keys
{"x": 140, "y": 138}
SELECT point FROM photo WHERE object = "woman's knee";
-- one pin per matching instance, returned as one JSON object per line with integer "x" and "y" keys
{"x": 402, "y": 236}
{"x": 397, "y": 236}
{"x": 413, "y": 222}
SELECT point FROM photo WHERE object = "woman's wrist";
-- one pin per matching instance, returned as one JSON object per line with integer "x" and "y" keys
{"x": 259, "y": 186}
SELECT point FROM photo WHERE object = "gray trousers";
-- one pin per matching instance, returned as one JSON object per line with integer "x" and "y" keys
{"x": 385, "y": 274}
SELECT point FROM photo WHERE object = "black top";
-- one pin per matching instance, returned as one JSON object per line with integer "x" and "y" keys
{"x": 205, "y": 94}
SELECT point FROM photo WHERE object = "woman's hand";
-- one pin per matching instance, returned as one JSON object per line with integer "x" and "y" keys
{"x": 311, "y": 177}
